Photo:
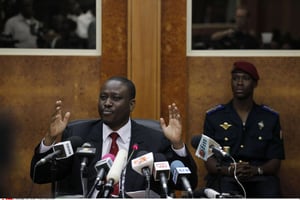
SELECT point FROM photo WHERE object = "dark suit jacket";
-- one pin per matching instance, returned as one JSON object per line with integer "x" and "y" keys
{"x": 68, "y": 170}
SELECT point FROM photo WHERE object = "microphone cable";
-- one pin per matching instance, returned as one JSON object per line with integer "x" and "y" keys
{"x": 236, "y": 178}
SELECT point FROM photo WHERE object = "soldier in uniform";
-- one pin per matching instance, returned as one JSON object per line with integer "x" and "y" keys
{"x": 252, "y": 135}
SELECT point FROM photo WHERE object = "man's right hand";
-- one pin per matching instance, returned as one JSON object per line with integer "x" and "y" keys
{"x": 58, "y": 124}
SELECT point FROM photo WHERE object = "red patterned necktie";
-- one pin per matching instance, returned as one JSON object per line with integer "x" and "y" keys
{"x": 114, "y": 148}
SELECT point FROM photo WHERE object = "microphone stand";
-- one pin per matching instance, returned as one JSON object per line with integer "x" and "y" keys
{"x": 147, "y": 192}
{"x": 53, "y": 177}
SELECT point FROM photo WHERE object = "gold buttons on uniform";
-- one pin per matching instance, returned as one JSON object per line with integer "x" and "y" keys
{"x": 226, "y": 139}
{"x": 242, "y": 146}
{"x": 260, "y": 138}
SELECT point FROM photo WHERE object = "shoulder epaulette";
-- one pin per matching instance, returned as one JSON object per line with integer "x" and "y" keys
{"x": 267, "y": 108}
{"x": 216, "y": 108}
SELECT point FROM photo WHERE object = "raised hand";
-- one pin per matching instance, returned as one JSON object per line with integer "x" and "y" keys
{"x": 174, "y": 129}
{"x": 57, "y": 125}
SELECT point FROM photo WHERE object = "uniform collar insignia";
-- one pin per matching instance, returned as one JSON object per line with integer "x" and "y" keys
{"x": 225, "y": 125}
{"x": 261, "y": 125}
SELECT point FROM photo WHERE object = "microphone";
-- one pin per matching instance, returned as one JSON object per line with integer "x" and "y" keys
{"x": 143, "y": 164}
{"x": 213, "y": 194}
{"x": 135, "y": 147}
{"x": 114, "y": 173}
{"x": 161, "y": 172}
{"x": 62, "y": 150}
{"x": 206, "y": 147}
{"x": 87, "y": 152}
{"x": 102, "y": 167}
{"x": 206, "y": 192}
{"x": 180, "y": 173}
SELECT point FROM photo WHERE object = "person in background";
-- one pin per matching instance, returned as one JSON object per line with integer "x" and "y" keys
{"x": 23, "y": 28}
{"x": 116, "y": 102}
{"x": 239, "y": 37}
{"x": 253, "y": 135}
{"x": 92, "y": 29}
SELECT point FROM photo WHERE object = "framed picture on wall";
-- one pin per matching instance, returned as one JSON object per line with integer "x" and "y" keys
{"x": 242, "y": 28}
{"x": 50, "y": 27}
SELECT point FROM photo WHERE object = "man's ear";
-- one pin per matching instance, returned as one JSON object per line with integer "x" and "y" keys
{"x": 132, "y": 104}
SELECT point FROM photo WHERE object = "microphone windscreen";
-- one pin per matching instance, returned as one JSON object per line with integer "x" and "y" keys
{"x": 159, "y": 157}
{"x": 109, "y": 155}
{"x": 175, "y": 164}
{"x": 76, "y": 142}
{"x": 135, "y": 147}
{"x": 116, "y": 169}
{"x": 141, "y": 153}
{"x": 195, "y": 141}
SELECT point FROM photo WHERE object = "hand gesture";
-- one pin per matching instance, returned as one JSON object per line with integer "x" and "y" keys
{"x": 57, "y": 125}
{"x": 174, "y": 130}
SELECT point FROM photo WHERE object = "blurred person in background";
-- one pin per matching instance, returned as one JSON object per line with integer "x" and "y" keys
{"x": 23, "y": 28}
{"x": 240, "y": 37}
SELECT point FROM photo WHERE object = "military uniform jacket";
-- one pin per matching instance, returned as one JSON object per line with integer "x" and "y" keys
{"x": 256, "y": 141}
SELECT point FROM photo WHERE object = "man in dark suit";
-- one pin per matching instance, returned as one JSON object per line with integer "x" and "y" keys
{"x": 116, "y": 102}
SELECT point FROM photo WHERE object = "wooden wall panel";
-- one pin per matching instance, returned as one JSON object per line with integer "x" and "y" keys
{"x": 30, "y": 86}
{"x": 173, "y": 59}
{"x": 114, "y": 39}
{"x": 209, "y": 85}
{"x": 144, "y": 36}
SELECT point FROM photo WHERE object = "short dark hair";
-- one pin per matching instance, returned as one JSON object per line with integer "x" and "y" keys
{"x": 130, "y": 85}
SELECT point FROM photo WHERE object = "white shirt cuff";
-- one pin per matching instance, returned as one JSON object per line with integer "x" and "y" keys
{"x": 181, "y": 152}
{"x": 44, "y": 148}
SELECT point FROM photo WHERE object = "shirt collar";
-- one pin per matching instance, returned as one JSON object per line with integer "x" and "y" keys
{"x": 124, "y": 132}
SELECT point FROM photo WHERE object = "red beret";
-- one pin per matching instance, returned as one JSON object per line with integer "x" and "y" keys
{"x": 247, "y": 67}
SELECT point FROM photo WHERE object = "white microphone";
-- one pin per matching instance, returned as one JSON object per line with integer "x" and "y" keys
{"x": 180, "y": 174}
{"x": 114, "y": 173}
{"x": 211, "y": 193}
{"x": 143, "y": 164}
{"x": 206, "y": 147}
{"x": 62, "y": 150}
{"x": 86, "y": 151}
{"x": 102, "y": 167}
{"x": 161, "y": 172}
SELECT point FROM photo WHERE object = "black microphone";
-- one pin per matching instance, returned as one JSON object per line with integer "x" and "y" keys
{"x": 102, "y": 167}
{"x": 161, "y": 172}
{"x": 86, "y": 151}
{"x": 206, "y": 146}
{"x": 180, "y": 175}
{"x": 195, "y": 141}
{"x": 114, "y": 173}
{"x": 62, "y": 150}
